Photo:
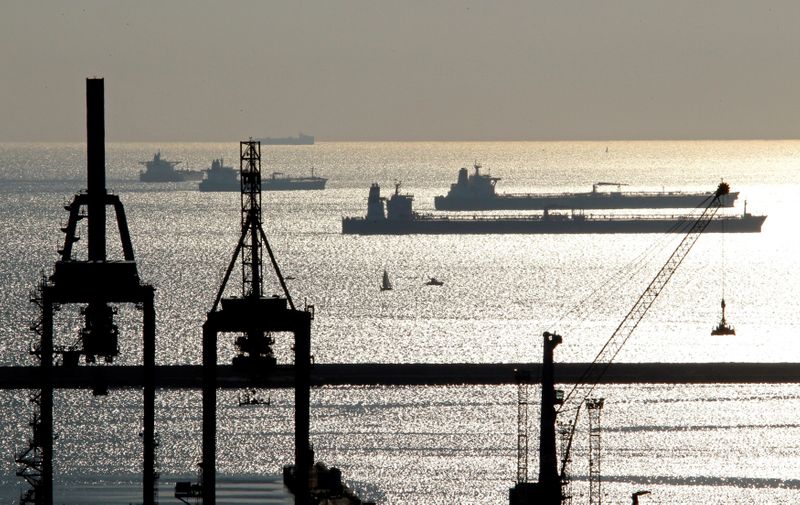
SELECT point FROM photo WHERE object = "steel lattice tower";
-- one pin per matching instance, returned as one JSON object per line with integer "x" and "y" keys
{"x": 522, "y": 432}
{"x": 250, "y": 174}
{"x": 595, "y": 408}
{"x": 564, "y": 436}
{"x": 256, "y": 318}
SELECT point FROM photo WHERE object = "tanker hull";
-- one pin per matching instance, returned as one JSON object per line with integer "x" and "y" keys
{"x": 541, "y": 225}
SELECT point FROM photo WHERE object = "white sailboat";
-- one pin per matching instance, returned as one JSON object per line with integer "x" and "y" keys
{"x": 386, "y": 284}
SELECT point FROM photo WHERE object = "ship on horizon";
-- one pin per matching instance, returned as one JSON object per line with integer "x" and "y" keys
{"x": 279, "y": 181}
{"x": 300, "y": 140}
{"x": 395, "y": 216}
{"x": 224, "y": 178}
{"x": 476, "y": 191}
{"x": 160, "y": 170}
{"x": 220, "y": 178}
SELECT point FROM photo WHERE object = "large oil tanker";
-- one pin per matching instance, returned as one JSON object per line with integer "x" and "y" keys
{"x": 396, "y": 216}
{"x": 476, "y": 191}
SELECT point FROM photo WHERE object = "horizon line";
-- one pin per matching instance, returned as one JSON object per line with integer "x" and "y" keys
{"x": 400, "y": 141}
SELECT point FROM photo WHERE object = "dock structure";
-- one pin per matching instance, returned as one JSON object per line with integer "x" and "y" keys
{"x": 399, "y": 374}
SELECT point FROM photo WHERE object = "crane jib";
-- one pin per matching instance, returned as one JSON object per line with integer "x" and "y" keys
{"x": 589, "y": 379}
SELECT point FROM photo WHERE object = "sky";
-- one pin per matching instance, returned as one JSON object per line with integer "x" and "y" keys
{"x": 189, "y": 70}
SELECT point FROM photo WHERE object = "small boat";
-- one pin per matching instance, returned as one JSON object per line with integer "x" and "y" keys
{"x": 386, "y": 284}
{"x": 249, "y": 397}
{"x": 434, "y": 282}
{"x": 723, "y": 328}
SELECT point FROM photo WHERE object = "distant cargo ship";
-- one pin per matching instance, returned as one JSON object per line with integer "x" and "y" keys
{"x": 300, "y": 140}
{"x": 477, "y": 192}
{"x": 280, "y": 182}
{"x": 160, "y": 170}
{"x": 220, "y": 178}
{"x": 397, "y": 217}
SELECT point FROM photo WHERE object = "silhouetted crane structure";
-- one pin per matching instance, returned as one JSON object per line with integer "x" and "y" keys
{"x": 97, "y": 285}
{"x": 549, "y": 488}
{"x": 594, "y": 406}
{"x": 255, "y": 318}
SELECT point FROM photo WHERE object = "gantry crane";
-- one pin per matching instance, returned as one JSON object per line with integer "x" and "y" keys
{"x": 548, "y": 489}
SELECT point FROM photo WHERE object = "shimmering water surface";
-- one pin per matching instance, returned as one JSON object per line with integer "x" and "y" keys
{"x": 700, "y": 444}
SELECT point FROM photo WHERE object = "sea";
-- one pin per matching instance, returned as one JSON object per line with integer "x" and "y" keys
{"x": 688, "y": 444}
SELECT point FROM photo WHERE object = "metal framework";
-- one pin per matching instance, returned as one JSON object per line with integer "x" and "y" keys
{"x": 632, "y": 319}
{"x": 594, "y": 407}
{"x": 522, "y": 427}
{"x": 566, "y": 473}
{"x": 255, "y": 317}
{"x": 96, "y": 285}
{"x": 250, "y": 176}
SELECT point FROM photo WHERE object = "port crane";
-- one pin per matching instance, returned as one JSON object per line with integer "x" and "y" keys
{"x": 549, "y": 488}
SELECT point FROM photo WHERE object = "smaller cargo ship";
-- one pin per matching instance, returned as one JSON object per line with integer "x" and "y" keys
{"x": 160, "y": 170}
{"x": 396, "y": 216}
{"x": 300, "y": 140}
{"x": 476, "y": 191}
{"x": 220, "y": 178}
{"x": 223, "y": 178}
{"x": 281, "y": 182}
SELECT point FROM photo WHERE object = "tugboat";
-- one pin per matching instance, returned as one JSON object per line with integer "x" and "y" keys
{"x": 220, "y": 178}
{"x": 434, "y": 282}
{"x": 723, "y": 328}
{"x": 160, "y": 170}
{"x": 476, "y": 191}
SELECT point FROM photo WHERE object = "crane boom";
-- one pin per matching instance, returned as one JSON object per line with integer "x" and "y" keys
{"x": 588, "y": 380}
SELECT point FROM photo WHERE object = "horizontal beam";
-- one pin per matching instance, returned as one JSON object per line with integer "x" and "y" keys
{"x": 390, "y": 374}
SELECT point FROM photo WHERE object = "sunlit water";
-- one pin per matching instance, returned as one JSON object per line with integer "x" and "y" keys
{"x": 701, "y": 444}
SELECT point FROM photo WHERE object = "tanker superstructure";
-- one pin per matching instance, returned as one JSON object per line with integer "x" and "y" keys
{"x": 220, "y": 178}
{"x": 476, "y": 191}
{"x": 161, "y": 170}
{"x": 395, "y": 216}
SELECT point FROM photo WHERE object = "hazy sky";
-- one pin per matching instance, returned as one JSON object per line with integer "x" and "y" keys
{"x": 187, "y": 70}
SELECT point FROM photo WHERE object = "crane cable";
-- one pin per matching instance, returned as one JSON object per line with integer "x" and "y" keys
{"x": 637, "y": 312}
{"x": 602, "y": 361}
{"x": 618, "y": 278}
